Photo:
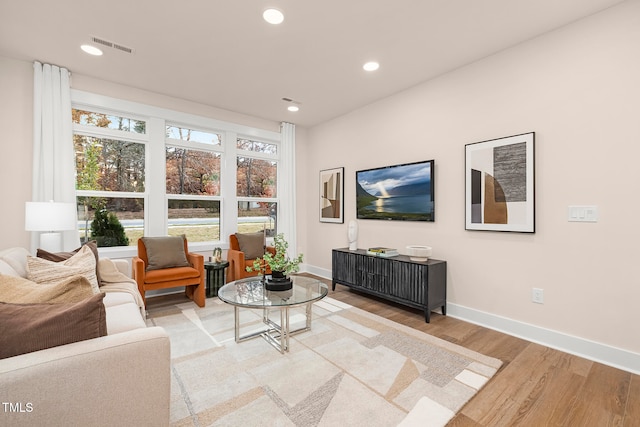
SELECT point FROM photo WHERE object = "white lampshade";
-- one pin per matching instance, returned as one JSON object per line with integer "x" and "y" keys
{"x": 49, "y": 216}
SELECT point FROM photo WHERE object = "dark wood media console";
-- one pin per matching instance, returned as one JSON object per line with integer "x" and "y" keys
{"x": 415, "y": 284}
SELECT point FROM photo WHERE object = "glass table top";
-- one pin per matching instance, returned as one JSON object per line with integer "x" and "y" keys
{"x": 250, "y": 292}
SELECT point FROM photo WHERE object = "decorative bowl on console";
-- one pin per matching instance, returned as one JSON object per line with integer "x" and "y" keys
{"x": 419, "y": 253}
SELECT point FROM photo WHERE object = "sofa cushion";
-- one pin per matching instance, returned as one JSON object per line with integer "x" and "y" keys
{"x": 6, "y": 269}
{"x": 252, "y": 244}
{"x": 165, "y": 252}
{"x": 17, "y": 259}
{"x": 68, "y": 290}
{"x": 33, "y": 327}
{"x": 178, "y": 273}
{"x": 63, "y": 256}
{"x": 111, "y": 299}
{"x": 123, "y": 318}
{"x": 48, "y": 272}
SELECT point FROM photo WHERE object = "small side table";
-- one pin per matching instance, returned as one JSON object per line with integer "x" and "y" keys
{"x": 215, "y": 276}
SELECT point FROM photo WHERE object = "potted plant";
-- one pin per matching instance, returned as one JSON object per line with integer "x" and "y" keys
{"x": 280, "y": 263}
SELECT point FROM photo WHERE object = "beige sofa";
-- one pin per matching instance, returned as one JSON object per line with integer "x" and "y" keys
{"x": 122, "y": 378}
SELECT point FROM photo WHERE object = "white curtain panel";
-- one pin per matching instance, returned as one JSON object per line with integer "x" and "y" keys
{"x": 287, "y": 220}
{"x": 53, "y": 152}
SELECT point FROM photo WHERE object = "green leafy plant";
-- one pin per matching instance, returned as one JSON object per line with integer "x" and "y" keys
{"x": 280, "y": 261}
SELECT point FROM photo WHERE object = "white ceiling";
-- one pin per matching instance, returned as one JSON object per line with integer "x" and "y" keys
{"x": 221, "y": 53}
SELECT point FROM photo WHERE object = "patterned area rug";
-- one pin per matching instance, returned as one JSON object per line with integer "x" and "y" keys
{"x": 353, "y": 368}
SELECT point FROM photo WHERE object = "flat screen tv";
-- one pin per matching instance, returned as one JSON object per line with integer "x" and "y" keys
{"x": 399, "y": 192}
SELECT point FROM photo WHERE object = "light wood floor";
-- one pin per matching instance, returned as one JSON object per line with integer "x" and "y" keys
{"x": 536, "y": 386}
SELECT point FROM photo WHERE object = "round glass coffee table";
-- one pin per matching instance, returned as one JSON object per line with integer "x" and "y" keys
{"x": 250, "y": 293}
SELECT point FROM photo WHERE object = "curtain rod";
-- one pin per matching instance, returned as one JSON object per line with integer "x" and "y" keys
{"x": 52, "y": 65}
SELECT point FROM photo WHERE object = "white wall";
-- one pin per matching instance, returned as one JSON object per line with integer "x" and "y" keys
{"x": 578, "y": 88}
{"x": 16, "y": 122}
{"x": 102, "y": 87}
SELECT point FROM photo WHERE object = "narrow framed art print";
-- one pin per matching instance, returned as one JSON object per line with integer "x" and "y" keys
{"x": 332, "y": 195}
{"x": 500, "y": 184}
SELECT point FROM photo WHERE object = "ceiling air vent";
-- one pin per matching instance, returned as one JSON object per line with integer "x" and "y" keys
{"x": 122, "y": 48}
{"x": 293, "y": 101}
{"x": 112, "y": 45}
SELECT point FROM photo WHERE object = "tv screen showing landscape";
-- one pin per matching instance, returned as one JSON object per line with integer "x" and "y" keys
{"x": 399, "y": 192}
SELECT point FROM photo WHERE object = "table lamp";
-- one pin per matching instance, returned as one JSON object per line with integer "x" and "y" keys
{"x": 50, "y": 218}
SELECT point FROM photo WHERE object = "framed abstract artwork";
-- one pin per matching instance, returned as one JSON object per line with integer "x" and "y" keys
{"x": 332, "y": 195}
{"x": 500, "y": 184}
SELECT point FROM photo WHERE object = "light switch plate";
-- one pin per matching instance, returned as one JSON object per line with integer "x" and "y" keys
{"x": 583, "y": 214}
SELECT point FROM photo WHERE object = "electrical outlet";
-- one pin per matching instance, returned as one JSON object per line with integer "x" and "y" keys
{"x": 537, "y": 295}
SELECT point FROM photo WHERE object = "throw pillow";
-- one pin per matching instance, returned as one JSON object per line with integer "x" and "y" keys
{"x": 165, "y": 252}
{"x": 33, "y": 327}
{"x": 63, "y": 256}
{"x": 49, "y": 272}
{"x": 20, "y": 290}
{"x": 252, "y": 244}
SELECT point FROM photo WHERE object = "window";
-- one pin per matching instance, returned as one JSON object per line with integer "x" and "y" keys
{"x": 256, "y": 186}
{"x": 108, "y": 164}
{"x": 106, "y": 121}
{"x": 110, "y": 177}
{"x": 256, "y": 178}
{"x": 184, "y": 134}
{"x": 148, "y": 171}
{"x": 199, "y": 220}
{"x": 256, "y": 146}
{"x": 192, "y": 171}
{"x": 111, "y": 221}
{"x": 256, "y": 173}
{"x": 192, "y": 161}
{"x": 258, "y": 216}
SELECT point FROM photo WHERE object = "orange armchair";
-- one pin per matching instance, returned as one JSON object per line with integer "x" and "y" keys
{"x": 167, "y": 263}
{"x": 238, "y": 261}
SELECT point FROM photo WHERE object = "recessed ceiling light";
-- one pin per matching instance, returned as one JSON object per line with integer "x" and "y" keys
{"x": 91, "y": 50}
{"x": 293, "y": 108}
{"x": 273, "y": 16}
{"x": 371, "y": 66}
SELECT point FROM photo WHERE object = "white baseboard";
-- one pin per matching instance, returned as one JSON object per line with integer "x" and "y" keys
{"x": 598, "y": 352}
{"x": 591, "y": 350}
{"x": 321, "y": 272}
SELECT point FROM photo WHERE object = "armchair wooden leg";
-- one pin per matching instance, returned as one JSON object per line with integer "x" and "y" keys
{"x": 199, "y": 295}
{"x": 196, "y": 293}
{"x": 231, "y": 271}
